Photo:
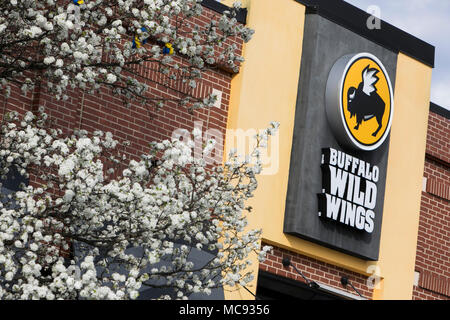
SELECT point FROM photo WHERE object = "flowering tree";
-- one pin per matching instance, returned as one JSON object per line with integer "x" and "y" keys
{"x": 90, "y": 223}
{"x": 98, "y": 227}
{"x": 93, "y": 43}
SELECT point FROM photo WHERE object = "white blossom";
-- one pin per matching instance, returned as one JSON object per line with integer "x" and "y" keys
{"x": 68, "y": 233}
{"x": 49, "y": 60}
{"x": 111, "y": 78}
{"x": 154, "y": 206}
{"x": 75, "y": 42}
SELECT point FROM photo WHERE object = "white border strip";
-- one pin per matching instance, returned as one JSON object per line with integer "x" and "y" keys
{"x": 340, "y": 292}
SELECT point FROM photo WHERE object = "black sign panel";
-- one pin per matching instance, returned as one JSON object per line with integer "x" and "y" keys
{"x": 336, "y": 204}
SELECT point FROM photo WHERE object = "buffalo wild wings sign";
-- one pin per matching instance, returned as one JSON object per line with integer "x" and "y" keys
{"x": 359, "y": 109}
{"x": 340, "y": 145}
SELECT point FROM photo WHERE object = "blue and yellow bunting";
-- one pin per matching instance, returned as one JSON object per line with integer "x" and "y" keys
{"x": 168, "y": 49}
{"x": 137, "y": 43}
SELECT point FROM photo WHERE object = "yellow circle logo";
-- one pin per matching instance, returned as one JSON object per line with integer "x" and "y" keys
{"x": 365, "y": 101}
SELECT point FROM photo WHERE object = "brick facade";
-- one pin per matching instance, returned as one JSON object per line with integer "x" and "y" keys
{"x": 315, "y": 270}
{"x": 433, "y": 246}
{"x": 141, "y": 125}
{"x": 433, "y": 242}
{"x": 136, "y": 123}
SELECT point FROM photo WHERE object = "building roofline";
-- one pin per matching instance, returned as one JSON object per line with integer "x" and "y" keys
{"x": 387, "y": 36}
{"x": 220, "y": 8}
{"x": 439, "y": 110}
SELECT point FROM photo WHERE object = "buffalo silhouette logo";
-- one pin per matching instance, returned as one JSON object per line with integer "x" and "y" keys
{"x": 364, "y": 101}
{"x": 359, "y": 101}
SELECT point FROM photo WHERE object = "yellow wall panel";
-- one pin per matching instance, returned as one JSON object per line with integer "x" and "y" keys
{"x": 404, "y": 179}
{"x": 266, "y": 90}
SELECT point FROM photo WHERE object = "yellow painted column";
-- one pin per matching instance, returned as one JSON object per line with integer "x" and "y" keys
{"x": 266, "y": 90}
{"x": 404, "y": 179}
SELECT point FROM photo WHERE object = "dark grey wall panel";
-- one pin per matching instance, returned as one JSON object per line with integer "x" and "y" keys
{"x": 323, "y": 44}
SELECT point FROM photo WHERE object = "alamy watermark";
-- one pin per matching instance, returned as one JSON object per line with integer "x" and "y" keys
{"x": 373, "y": 281}
{"x": 241, "y": 141}
{"x": 74, "y": 14}
{"x": 374, "y": 20}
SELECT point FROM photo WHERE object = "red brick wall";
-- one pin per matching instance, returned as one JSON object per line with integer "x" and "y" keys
{"x": 138, "y": 124}
{"x": 438, "y": 137}
{"x": 314, "y": 270}
{"x": 433, "y": 242}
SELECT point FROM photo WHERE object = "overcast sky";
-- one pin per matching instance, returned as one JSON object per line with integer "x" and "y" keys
{"x": 428, "y": 20}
